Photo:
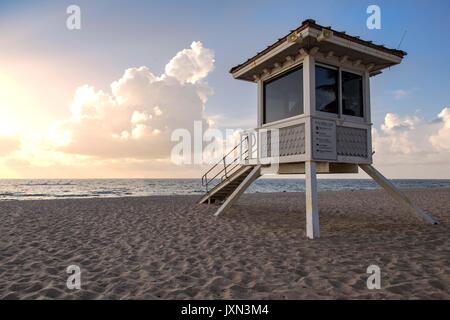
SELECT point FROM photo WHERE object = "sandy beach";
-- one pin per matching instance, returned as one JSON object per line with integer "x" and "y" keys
{"x": 167, "y": 247}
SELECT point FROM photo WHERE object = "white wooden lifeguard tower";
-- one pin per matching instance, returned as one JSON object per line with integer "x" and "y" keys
{"x": 313, "y": 116}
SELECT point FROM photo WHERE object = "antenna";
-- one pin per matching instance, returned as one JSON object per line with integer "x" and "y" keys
{"x": 401, "y": 40}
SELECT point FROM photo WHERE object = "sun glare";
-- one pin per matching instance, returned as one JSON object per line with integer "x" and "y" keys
{"x": 11, "y": 101}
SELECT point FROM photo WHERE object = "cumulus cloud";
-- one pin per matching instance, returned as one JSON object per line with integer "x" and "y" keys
{"x": 125, "y": 131}
{"x": 396, "y": 133}
{"x": 441, "y": 140}
{"x": 136, "y": 119}
{"x": 413, "y": 140}
{"x": 191, "y": 65}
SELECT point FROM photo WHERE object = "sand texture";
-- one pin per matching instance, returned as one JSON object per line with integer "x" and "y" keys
{"x": 167, "y": 247}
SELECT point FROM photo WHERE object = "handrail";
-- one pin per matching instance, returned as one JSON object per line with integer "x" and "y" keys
{"x": 227, "y": 173}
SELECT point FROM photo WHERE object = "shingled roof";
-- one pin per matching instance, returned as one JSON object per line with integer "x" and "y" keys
{"x": 312, "y": 24}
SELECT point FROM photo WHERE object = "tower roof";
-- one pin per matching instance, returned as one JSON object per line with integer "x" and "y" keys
{"x": 309, "y": 35}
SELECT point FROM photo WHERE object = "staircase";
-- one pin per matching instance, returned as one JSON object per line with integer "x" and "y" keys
{"x": 225, "y": 188}
{"x": 228, "y": 178}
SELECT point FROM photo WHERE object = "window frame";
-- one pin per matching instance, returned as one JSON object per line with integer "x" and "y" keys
{"x": 340, "y": 114}
{"x": 297, "y": 67}
{"x": 363, "y": 88}
{"x": 323, "y": 113}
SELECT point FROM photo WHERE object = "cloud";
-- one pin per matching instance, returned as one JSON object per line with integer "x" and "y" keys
{"x": 137, "y": 118}
{"x": 441, "y": 140}
{"x": 121, "y": 132}
{"x": 191, "y": 65}
{"x": 400, "y": 94}
{"x": 125, "y": 131}
{"x": 396, "y": 132}
{"x": 412, "y": 140}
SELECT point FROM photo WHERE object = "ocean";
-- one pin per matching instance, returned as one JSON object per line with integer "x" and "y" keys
{"x": 102, "y": 188}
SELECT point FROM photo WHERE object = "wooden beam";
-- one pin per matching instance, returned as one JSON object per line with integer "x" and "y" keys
{"x": 303, "y": 52}
{"x": 321, "y": 168}
{"x": 343, "y": 59}
{"x": 370, "y": 66}
{"x": 396, "y": 193}
{"x": 312, "y": 212}
{"x": 326, "y": 34}
{"x": 253, "y": 175}
{"x": 294, "y": 37}
{"x": 313, "y": 51}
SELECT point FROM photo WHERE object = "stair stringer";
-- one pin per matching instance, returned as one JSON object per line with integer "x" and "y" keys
{"x": 222, "y": 185}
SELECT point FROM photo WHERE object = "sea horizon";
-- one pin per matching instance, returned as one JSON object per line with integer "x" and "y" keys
{"x": 43, "y": 189}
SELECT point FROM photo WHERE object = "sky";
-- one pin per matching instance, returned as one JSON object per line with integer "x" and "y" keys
{"x": 103, "y": 101}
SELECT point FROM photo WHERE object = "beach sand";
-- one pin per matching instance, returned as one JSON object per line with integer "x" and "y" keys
{"x": 167, "y": 247}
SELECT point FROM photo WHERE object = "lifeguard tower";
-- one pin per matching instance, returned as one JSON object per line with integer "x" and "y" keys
{"x": 313, "y": 116}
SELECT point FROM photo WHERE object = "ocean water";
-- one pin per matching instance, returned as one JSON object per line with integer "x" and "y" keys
{"x": 60, "y": 189}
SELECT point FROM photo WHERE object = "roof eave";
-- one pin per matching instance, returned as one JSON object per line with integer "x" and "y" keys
{"x": 310, "y": 29}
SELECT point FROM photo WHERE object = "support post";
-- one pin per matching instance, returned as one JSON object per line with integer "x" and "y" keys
{"x": 253, "y": 175}
{"x": 312, "y": 212}
{"x": 396, "y": 193}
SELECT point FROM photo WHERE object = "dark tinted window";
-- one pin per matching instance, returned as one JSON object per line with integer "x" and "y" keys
{"x": 326, "y": 90}
{"x": 352, "y": 94}
{"x": 283, "y": 96}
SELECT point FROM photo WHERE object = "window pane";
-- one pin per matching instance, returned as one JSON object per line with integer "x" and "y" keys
{"x": 326, "y": 90}
{"x": 283, "y": 96}
{"x": 352, "y": 94}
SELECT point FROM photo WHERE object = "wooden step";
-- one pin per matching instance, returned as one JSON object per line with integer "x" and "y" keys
{"x": 226, "y": 187}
